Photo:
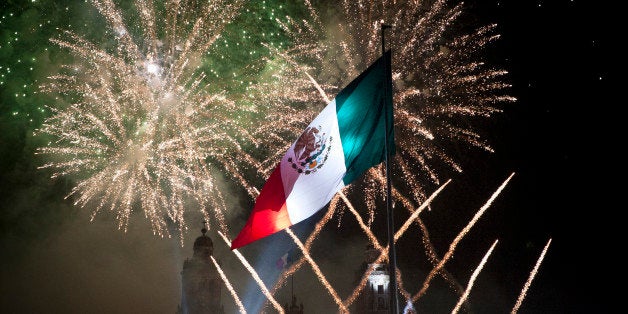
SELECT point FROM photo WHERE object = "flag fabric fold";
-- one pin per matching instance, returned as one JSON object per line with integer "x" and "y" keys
{"x": 343, "y": 141}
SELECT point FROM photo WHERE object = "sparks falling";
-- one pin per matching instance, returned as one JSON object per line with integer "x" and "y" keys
{"x": 522, "y": 295}
{"x": 474, "y": 276}
{"x": 224, "y": 278}
{"x": 141, "y": 128}
{"x": 459, "y": 237}
{"x": 254, "y": 274}
{"x": 317, "y": 271}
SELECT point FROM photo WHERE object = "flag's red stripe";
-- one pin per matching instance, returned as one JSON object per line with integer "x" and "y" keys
{"x": 269, "y": 215}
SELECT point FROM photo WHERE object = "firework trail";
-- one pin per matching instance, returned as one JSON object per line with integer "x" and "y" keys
{"x": 425, "y": 236}
{"x": 406, "y": 295}
{"x": 318, "y": 228}
{"x": 254, "y": 274}
{"x": 229, "y": 287}
{"x": 416, "y": 213}
{"x": 522, "y": 295}
{"x": 434, "y": 259}
{"x": 318, "y": 272}
{"x": 475, "y": 274}
{"x": 373, "y": 240}
{"x": 141, "y": 129}
{"x": 414, "y": 217}
{"x": 459, "y": 237}
{"x": 308, "y": 243}
{"x": 384, "y": 253}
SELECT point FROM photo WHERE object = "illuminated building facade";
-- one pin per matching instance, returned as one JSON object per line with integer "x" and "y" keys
{"x": 375, "y": 298}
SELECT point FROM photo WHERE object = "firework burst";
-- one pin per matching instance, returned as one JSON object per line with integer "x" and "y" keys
{"x": 441, "y": 82}
{"x": 140, "y": 128}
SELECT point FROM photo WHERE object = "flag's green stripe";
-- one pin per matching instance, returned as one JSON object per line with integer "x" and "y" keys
{"x": 360, "y": 110}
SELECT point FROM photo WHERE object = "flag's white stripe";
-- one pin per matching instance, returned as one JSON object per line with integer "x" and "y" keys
{"x": 306, "y": 194}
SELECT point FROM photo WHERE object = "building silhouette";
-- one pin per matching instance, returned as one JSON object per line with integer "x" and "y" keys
{"x": 200, "y": 282}
{"x": 294, "y": 308}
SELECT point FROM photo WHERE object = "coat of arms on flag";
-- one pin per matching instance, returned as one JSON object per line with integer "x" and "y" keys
{"x": 310, "y": 151}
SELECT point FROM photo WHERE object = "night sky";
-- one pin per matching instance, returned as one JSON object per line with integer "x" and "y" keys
{"x": 54, "y": 260}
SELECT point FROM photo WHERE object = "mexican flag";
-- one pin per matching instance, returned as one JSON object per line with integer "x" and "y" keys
{"x": 342, "y": 142}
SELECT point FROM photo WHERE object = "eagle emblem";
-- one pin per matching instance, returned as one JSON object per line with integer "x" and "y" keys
{"x": 310, "y": 151}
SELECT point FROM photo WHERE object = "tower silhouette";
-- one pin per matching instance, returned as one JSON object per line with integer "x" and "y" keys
{"x": 201, "y": 283}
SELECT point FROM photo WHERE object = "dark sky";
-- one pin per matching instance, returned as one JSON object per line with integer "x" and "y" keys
{"x": 558, "y": 53}
{"x": 55, "y": 260}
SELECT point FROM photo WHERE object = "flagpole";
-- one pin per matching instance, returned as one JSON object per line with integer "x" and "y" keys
{"x": 392, "y": 256}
